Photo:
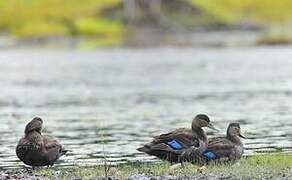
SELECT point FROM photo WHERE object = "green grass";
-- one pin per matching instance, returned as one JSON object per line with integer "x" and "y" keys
{"x": 52, "y": 18}
{"x": 255, "y": 167}
{"x": 260, "y": 11}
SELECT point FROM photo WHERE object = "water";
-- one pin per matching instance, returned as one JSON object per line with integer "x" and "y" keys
{"x": 108, "y": 102}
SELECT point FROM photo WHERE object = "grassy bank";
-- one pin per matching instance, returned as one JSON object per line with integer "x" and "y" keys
{"x": 269, "y": 166}
{"x": 106, "y": 23}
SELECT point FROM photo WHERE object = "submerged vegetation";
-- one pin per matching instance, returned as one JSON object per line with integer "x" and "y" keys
{"x": 109, "y": 22}
{"x": 269, "y": 166}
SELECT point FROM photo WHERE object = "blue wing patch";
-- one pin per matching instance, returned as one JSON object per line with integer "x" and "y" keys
{"x": 174, "y": 144}
{"x": 210, "y": 155}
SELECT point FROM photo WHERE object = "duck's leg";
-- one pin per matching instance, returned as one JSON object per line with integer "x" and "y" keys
{"x": 178, "y": 163}
{"x": 50, "y": 165}
{"x": 182, "y": 164}
{"x": 202, "y": 165}
{"x": 201, "y": 169}
{"x": 182, "y": 161}
{"x": 28, "y": 168}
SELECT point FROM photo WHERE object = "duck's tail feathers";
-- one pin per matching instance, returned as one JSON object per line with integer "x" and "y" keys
{"x": 145, "y": 149}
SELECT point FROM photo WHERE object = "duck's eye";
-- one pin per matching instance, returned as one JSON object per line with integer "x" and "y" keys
{"x": 238, "y": 130}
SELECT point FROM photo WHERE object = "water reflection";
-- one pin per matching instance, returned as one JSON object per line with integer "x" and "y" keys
{"x": 106, "y": 103}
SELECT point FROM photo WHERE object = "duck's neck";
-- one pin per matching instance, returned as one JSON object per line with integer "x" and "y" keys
{"x": 200, "y": 132}
{"x": 235, "y": 139}
{"x": 35, "y": 138}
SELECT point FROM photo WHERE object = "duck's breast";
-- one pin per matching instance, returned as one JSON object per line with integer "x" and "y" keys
{"x": 22, "y": 149}
{"x": 238, "y": 151}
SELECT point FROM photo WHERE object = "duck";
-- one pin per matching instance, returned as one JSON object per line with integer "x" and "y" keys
{"x": 35, "y": 149}
{"x": 228, "y": 148}
{"x": 180, "y": 145}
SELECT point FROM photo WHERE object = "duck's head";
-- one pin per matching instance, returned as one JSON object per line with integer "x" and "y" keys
{"x": 234, "y": 130}
{"x": 202, "y": 120}
{"x": 35, "y": 124}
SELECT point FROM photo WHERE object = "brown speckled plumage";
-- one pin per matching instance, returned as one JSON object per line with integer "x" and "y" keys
{"x": 34, "y": 149}
{"x": 227, "y": 148}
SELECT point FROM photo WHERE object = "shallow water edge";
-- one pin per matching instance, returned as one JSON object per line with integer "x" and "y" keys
{"x": 109, "y": 102}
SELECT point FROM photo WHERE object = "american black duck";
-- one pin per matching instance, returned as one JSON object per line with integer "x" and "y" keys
{"x": 34, "y": 149}
{"x": 225, "y": 148}
{"x": 181, "y": 144}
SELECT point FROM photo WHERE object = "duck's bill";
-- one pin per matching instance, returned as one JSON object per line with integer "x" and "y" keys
{"x": 242, "y": 136}
{"x": 211, "y": 126}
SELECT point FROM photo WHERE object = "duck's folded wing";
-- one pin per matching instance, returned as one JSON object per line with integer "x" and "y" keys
{"x": 50, "y": 142}
{"x": 53, "y": 147}
{"x": 220, "y": 146}
{"x": 176, "y": 140}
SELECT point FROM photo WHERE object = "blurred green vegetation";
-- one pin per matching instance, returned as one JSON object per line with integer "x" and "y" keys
{"x": 276, "y": 36}
{"x": 258, "y": 11}
{"x": 105, "y": 22}
{"x": 39, "y": 18}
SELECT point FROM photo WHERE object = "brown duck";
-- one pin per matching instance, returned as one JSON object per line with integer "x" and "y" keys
{"x": 225, "y": 148}
{"x": 181, "y": 144}
{"x": 34, "y": 149}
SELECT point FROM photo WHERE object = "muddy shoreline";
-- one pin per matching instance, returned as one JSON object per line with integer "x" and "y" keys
{"x": 268, "y": 166}
{"x": 28, "y": 175}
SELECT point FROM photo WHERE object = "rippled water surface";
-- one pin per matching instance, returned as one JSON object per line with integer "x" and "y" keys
{"x": 108, "y": 102}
